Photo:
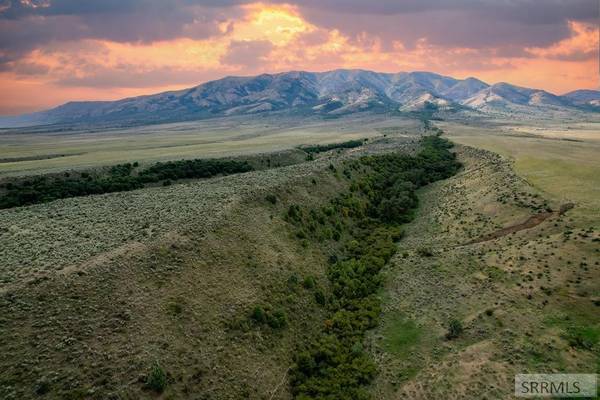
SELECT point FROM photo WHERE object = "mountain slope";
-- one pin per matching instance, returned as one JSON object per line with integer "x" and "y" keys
{"x": 584, "y": 98}
{"x": 330, "y": 93}
{"x": 506, "y": 97}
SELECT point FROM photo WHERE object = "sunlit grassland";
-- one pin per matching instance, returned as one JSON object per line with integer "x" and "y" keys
{"x": 199, "y": 139}
{"x": 565, "y": 170}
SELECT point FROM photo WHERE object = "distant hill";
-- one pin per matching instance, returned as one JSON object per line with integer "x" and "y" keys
{"x": 584, "y": 98}
{"x": 326, "y": 93}
{"x": 504, "y": 96}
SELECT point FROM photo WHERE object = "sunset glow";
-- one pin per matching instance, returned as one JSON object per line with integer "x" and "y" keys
{"x": 253, "y": 38}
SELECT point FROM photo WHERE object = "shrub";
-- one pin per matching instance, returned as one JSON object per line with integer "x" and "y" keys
{"x": 277, "y": 319}
{"x": 293, "y": 280}
{"x": 425, "y": 252}
{"x": 320, "y": 297}
{"x": 455, "y": 329}
{"x": 309, "y": 282}
{"x": 175, "y": 308}
{"x": 294, "y": 213}
{"x": 42, "y": 387}
{"x": 271, "y": 198}
{"x": 336, "y": 235}
{"x": 157, "y": 379}
{"x": 258, "y": 315}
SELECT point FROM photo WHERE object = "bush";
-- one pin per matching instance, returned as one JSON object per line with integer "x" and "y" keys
{"x": 425, "y": 252}
{"x": 258, "y": 315}
{"x": 42, "y": 387}
{"x": 276, "y": 319}
{"x": 309, "y": 282}
{"x": 271, "y": 198}
{"x": 455, "y": 329}
{"x": 294, "y": 213}
{"x": 157, "y": 379}
{"x": 320, "y": 297}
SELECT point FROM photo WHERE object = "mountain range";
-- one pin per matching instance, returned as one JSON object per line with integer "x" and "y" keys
{"x": 325, "y": 93}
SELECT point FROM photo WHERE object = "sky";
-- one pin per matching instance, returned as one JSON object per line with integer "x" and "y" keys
{"x": 54, "y": 51}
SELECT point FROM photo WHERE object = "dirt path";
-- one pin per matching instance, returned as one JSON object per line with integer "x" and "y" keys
{"x": 531, "y": 222}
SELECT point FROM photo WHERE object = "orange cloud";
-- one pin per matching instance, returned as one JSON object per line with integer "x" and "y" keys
{"x": 583, "y": 44}
{"x": 268, "y": 38}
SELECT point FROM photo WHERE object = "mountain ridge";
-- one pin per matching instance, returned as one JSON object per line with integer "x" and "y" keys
{"x": 332, "y": 93}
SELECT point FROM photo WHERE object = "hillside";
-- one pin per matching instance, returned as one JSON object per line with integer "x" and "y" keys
{"x": 237, "y": 286}
{"x": 184, "y": 267}
{"x": 327, "y": 93}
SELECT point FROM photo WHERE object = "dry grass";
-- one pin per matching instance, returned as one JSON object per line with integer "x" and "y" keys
{"x": 92, "y": 321}
{"x": 222, "y": 137}
{"x": 96, "y": 290}
{"x": 504, "y": 291}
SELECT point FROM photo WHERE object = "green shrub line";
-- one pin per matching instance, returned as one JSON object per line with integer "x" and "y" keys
{"x": 359, "y": 229}
{"x": 321, "y": 148}
{"x": 119, "y": 178}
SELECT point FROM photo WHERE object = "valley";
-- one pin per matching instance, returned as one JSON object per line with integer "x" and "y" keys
{"x": 299, "y": 200}
{"x": 187, "y": 267}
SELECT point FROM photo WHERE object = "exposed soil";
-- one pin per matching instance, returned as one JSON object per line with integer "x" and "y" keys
{"x": 531, "y": 222}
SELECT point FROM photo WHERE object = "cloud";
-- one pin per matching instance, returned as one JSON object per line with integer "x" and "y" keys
{"x": 113, "y": 47}
{"x": 247, "y": 54}
{"x": 130, "y": 76}
{"x": 529, "y": 11}
{"x": 583, "y": 44}
{"x": 443, "y": 27}
{"x": 474, "y": 23}
{"x": 24, "y": 28}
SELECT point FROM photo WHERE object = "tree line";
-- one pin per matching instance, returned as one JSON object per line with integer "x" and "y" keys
{"x": 320, "y": 148}
{"x": 118, "y": 178}
{"x": 363, "y": 224}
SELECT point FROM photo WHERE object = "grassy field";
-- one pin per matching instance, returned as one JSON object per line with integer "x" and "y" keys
{"x": 563, "y": 163}
{"x": 527, "y": 301}
{"x": 40, "y": 152}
